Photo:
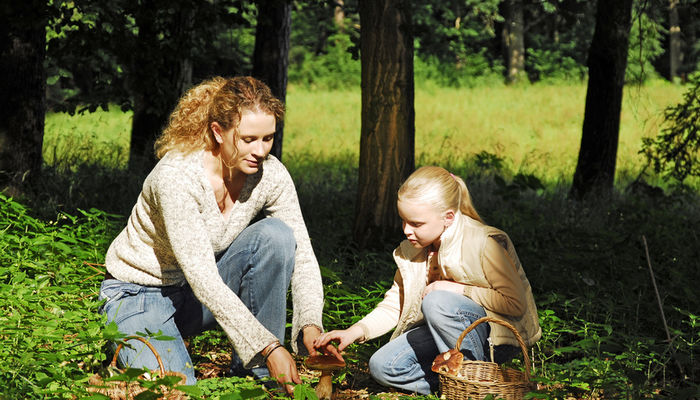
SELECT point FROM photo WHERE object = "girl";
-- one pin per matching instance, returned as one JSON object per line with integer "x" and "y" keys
{"x": 452, "y": 270}
{"x": 190, "y": 255}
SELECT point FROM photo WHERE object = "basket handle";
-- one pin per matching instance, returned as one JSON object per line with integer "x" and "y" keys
{"x": 148, "y": 344}
{"x": 507, "y": 325}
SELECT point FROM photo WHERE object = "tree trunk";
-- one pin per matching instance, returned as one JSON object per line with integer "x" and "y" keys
{"x": 513, "y": 40}
{"x": 674, "y": 40}
{"x": 271, "y": 54}
{"x": 339, "y": 15}
{"x": 146, "y": 89}
{"x": 145, "y": 127}
{"x": 182, "y": 75}
{"x": 157, "y": 83}
{"x": 22, "y": 88}
{"x": 388, "y": 117}
{"x": 690, "y": 34}
{"x": 607, "y": 61}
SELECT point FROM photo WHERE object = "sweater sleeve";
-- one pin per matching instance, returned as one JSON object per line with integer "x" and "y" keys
{"x": 306, "y": 285}
{"x": 176, "y": 199}
{"x": 506, "y": 295}
{"x": 385, "y": 315}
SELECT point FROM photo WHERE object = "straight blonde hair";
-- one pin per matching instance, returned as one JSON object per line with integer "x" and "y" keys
{"x": 441, "y": 189}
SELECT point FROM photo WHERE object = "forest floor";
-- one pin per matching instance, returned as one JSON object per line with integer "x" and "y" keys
{"x": 356, "y": 383}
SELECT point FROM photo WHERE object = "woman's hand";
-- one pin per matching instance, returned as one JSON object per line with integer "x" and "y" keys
{"x": 344, "y": 338}
{"x": 311, "y": 334}
{"x": 283, "y": 368}
{"x": 449, "y": 286}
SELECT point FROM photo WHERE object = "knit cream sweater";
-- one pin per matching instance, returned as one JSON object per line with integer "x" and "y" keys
{"x": 176, "y": 230}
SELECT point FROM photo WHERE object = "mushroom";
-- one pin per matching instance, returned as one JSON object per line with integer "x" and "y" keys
{"x": 326, "y": 364}
{"x": 448, "y": 362}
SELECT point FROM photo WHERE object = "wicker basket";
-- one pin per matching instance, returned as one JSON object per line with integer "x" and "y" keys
{"x": 477, "y": 379}
{"x": 120, "y": 390}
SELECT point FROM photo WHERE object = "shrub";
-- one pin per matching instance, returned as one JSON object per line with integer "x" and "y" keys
{"x": 675, "y": 152}
{"x": 332, "y": 70}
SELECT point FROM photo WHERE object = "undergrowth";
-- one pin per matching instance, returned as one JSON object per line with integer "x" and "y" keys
{"x": 603, "y": 331}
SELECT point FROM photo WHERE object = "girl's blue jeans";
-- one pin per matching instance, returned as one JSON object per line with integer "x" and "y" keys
{"x": 257, "y": 267}
{"x": 405, "y": 362}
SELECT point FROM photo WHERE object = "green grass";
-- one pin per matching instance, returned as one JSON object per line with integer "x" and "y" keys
{"x": 536, "y": 129}
{"x": 603, "y": 335}
{"x": 102, "y": 135}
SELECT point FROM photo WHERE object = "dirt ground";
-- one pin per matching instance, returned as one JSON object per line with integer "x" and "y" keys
{"x": 356, "y": 382}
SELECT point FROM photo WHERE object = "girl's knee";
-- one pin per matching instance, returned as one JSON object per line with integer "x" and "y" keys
{"x": 441, "y": 304}
{"x": 436, "y": 305}
{"x": 433, "y": 300}
{"x": 378, "y": 368}
{"x": 397, "y": 368}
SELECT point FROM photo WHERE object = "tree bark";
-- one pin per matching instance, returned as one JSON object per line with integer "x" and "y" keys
{"x": 157, "y": 82}
{"x": 513, "y": 38}
{"x": 271, "y": 54}
{"x": 339, "y": 15}
{"x": 146, "y": 90}
{"x": 674, "y": 40}
{"x": 387, "y": 143}
{"x": 607, "y": 61}
{"x": 23, "y": 88}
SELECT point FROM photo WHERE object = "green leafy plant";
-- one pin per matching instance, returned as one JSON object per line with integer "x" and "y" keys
{"x": 675, "y": 151}
{"x": 51, "y": 334}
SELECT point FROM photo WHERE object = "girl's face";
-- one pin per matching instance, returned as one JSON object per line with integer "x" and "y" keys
{"x": 422, "y": 223}
{"x": 253, "y": 142}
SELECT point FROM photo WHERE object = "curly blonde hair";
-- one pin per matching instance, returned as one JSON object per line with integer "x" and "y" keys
{"x": 441, "y": 189}
{"x": 220, "y": 100}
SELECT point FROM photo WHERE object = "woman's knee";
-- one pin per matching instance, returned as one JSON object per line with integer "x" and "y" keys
{"x": 277, "y": 235}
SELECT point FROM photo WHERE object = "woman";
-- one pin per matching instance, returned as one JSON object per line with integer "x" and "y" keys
{"x": 191, "y": 256}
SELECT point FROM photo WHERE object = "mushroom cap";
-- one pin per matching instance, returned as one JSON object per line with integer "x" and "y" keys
{"x": 448, "y": 362}
{"x": 324, "y": 362}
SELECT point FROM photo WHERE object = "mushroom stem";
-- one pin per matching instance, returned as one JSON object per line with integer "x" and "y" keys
{"x": 324, "y": 389}
{"x": 326, "y": 364}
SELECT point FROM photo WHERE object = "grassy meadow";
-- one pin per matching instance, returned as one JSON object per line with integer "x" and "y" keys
{"x": 100, "y": 137}
{"x": 589, "y": 262}
{"x": 534, "y": 129}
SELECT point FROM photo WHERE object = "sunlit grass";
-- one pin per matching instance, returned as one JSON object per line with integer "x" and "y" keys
{"x": 101, "y": 137}
{"x": 536, "y": 129}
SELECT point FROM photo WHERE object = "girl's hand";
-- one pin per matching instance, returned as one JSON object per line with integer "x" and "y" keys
{"x": 344, "y": 338}
{"x": 449, "y": 286}
{"x": 311, "y": 333}
{"x": 283, "y": 368}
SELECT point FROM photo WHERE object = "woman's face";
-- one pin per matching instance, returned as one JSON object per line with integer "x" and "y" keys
{"x": 254, "y": 141}
{"x": 422, "y": 223}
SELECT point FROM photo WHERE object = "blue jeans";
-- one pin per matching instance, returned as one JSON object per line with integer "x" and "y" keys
{"x": 405, "y": 362}
{"x": 257, "y": 267}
